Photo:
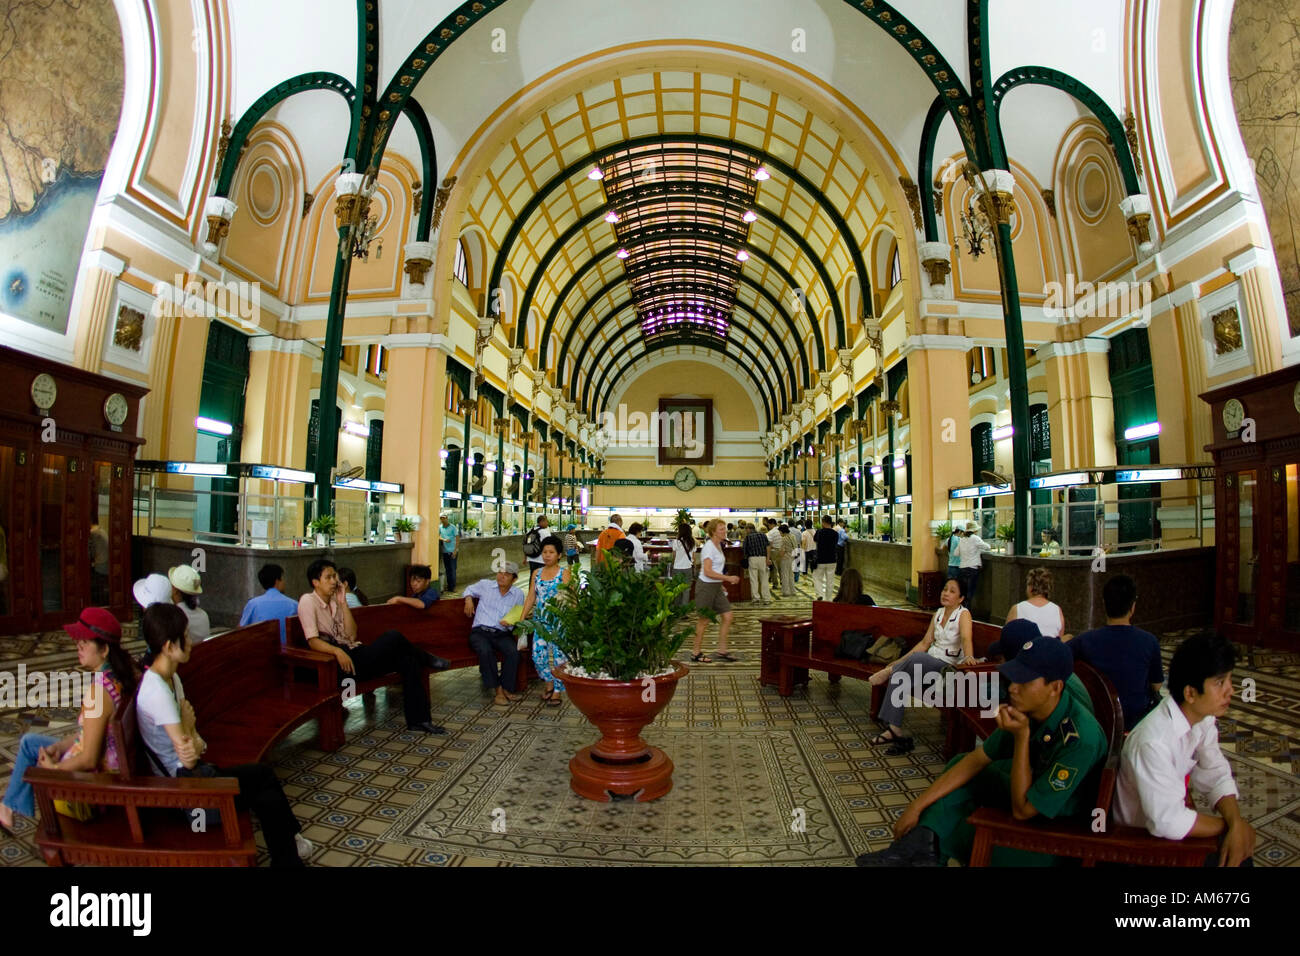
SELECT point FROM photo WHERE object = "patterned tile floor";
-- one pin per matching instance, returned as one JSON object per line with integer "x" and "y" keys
{"x": 759, "y": 779}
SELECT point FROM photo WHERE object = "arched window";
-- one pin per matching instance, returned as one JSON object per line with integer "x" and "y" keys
{"x": 461, "y": 268}
{"x": 895, "y": 267}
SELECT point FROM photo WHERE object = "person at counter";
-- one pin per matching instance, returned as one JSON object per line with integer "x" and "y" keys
{"x": 449, "y": 549}
{"x": 639, "y": 559}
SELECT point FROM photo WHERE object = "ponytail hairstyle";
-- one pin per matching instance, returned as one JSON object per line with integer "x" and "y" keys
{"x": 163, "y": 624}
{"x": 685, "y": 536}
{"x": 122, "y": 666}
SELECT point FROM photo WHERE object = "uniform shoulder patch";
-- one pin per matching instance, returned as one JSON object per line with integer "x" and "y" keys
{"x": 1062, "y": 776}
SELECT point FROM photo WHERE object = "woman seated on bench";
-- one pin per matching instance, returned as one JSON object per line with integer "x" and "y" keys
{"x": 94, "y": 746}
{"x": 850, "y": 591}
{"x": 167, "y": 730}
{"x": 947, "y": 643}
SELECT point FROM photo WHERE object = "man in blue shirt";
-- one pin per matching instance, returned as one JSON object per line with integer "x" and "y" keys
{"x": 449, "y": 550}
{"x": 1128, "y": 655}
{"x": 842, "y": 548}
{"x": 274, "y": 605}
{"x": 491, "y": 633}
{"x": 426, "y": 592}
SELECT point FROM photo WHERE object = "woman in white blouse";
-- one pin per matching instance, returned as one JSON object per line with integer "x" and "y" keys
{"x": 1038, "y": 606}
{"x": 947, "y": 643}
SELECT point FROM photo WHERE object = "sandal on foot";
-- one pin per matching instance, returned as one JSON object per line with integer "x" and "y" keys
{"x": 903, "y": 745}
{"x": 701, "y": 659}
{"x": 887, "y": 737}
{"x": 726, "y": 656}
{"x": 553, "y": 700}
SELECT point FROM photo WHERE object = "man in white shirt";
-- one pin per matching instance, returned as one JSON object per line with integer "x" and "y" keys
{"x": 971, "y": 555}
{"x": 1181, "y": 737}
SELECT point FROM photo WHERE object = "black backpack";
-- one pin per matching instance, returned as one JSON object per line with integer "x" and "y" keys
{"x": 533, "y": 543}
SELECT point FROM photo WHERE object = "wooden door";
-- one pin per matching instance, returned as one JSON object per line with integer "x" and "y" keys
{"x": 18, "y": 577}
{"x": 61, "y": 532}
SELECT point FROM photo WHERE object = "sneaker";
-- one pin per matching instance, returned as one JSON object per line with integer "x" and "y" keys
{"x": 305, "y": 847}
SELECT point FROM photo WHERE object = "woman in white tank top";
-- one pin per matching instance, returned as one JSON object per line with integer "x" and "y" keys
{"x": 1038, "y": 607}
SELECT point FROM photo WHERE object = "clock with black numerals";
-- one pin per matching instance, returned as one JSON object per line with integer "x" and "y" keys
{"x": 685, "y": 479}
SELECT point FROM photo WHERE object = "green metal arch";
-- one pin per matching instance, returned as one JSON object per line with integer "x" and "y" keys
{"x": 603, "y": 254}
{"x": 929, "y": 136}
{"x": 429, "y": 162}
{"x": 762, "y": 291}
{"x": 596, "y": 215}
{"x": 766, "y": 159}
{"x": 264, "y": 104}
{"x": 782, "y": 397}
{"x": 367, "y": 73}
{"x": 1045, "y": 76}
{"x": 608, "y": 384}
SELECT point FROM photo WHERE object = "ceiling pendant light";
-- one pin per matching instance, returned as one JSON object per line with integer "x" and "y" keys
{"x": 611, "y": 217}
{"x": 742, "y": 255}
{"x": 622, "y": 253}
{"x": 750, "y": 215}
{"x": 596, "y": 173}
{"x": 761, "y": 174}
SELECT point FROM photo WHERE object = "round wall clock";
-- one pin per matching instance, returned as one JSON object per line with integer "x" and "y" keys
{"x": 115, "y": 409}
{"x": 685, "y": 479}
{"x": 1234, "y": 413}
{"x": 44, "y": 391}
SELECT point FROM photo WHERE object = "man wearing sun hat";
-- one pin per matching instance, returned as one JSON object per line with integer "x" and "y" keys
{"x": 970, "y": 554}
{"x": 186, "y": 587}
{"x": 153, "y": 589}
{"x": 1039, "y": 762}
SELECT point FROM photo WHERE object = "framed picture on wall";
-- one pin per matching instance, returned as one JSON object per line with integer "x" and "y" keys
{"x": 684, "y": 430}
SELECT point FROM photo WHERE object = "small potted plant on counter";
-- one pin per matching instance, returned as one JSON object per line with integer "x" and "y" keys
{"x": 324, "y": 528}
{"x": 471, "y": 526}
{"x": 402, "y": 529}
{"x": 885, "y": 529}
{"x": 619, "y": 631}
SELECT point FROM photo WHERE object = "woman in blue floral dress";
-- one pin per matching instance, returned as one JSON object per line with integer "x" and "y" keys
{"x": 542, "y": 587}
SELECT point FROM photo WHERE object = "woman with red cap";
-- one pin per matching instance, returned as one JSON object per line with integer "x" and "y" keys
{"x": 94, "y": 746}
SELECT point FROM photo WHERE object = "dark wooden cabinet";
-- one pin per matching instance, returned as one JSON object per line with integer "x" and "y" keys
{"x": 1256, "y": 452}
{"x": 65, "y": 495}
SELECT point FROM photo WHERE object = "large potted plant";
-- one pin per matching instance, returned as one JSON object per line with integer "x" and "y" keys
{"x": 402, "y": 529}
{"x": 619, "y": 630}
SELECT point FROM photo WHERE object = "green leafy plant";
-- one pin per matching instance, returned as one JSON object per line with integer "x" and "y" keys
{"x": 325, "y": 524}
{"x": 943, "y": 530}
{"x": 471, "y": 524}
{"x": 683, "y": 517}
{"x": 620, "y": 621}
{"x": 1006, "y": 532}
{"x": 858, "y": 527}
{"x": 885, "y": 527}
{"x": 404, "y": 525}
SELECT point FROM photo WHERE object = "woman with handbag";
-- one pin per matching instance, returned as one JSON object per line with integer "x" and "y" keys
{"x": 94, "y": 746}
{"x": 166, "y": 722}
{"x": 684, "y": 559}
{"x": 947, "y": 643}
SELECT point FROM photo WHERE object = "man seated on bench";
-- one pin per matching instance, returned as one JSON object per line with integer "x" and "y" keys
{"x": 328, "y": 625}
{"x": 1128, "y": 655}
{"x": 492, "y": 634}
{"x": 274, "y": 604}
{"x": 1181, "y": 738}
{"x": 167, "y": 729}
{"x": 426, "y": 592}
{"x": 1035, "y": 763}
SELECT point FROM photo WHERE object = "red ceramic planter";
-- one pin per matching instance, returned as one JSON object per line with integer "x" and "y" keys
{"x": 621, "y": 764}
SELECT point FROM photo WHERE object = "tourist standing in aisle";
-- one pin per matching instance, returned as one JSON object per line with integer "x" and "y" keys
{"x": 542, "y": 588}
{"x": 449, "y": 549}
{"x": 758, "y": 557}
{"x": 683, "y": 559}
{"x": 709, "y": 593}
{"x": 827, "y": 543}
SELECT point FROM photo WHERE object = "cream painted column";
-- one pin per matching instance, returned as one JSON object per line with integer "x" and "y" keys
{"x": 175, "y": 380}
{"x": 1265, "y": 312}
{"x": 279, "y": 390}
{"x": 1184, "y": 439}
{"x": 414, "y": 413}
{"x": 940, "y": 434}
{"x": 1080, "y": 405}
{"x": 95, "y": 300}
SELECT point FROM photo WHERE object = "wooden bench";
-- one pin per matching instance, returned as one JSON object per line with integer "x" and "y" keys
{"x": 245, "y": 698}
{"x": 1074, "y": 837}
{"x": 441, "y": 629}
{"x": 830, "y": 620}
{"x": 143, "y": 820}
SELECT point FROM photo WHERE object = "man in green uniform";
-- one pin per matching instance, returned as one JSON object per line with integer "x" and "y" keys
{"x": 1015, "y": 634}
{"x": 1036, "y": 763}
